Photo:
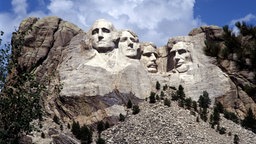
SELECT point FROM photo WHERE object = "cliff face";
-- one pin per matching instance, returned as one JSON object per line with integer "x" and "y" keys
{"x": 87, "y": 85}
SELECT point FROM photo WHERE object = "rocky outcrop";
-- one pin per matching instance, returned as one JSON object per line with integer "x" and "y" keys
{"x": 87, "y": 85}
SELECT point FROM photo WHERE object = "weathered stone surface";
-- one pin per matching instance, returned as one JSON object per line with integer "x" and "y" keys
{"x": 87, "y": 84}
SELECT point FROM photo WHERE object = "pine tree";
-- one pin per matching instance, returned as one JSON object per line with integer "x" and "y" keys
{"x": 167, "y": 102}
{"x": 204, "y": 100}
{"x": 162, "y": 95}
{"x": 203, "y": 114}
{"x": 180, "y": 93}
{"x": 100, "y": 127}
{"x": 194, "y": 105}
{"x": 121, "y": 117}
{"x": 100, "y": 141}
{"x": 56, "y": 119}
{"x": 236, "y": 139}
{"x": 85, "y": 135}
{"x": 188, "y": 103}
{"x": 249, "y": 121}
{"x": 75, "y": 129}
{"x": 107, "y": 125}
{"x": 158, "y": 86}
{"x": 152, "y": 98}
{"x": 135, "y": 109}
{"x": 129, "y": 104}
{"x": 219, "y": 107}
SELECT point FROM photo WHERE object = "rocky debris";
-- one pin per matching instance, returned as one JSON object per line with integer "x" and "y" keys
{"x": 157, "y": 123}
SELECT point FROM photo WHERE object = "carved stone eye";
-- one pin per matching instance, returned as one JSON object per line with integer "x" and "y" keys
{"x": 95, "y": 31}
{"x": 147, "y": 54}
{"x": 123, "y": 39}
{"x": 105, "y": 30}
{"x": 181, "y": 51}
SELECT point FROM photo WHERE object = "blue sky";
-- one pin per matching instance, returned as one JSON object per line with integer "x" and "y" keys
{"x": 152, "y": 20}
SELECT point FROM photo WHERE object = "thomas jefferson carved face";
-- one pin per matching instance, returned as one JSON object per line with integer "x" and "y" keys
{"x": 129, "y": 44}
{"x": 148, "y": 57}
{"x": 102, "y": 35}
{"x": 181, "y": 56}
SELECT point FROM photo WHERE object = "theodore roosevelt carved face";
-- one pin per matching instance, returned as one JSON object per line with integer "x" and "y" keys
{"x": 129, "y": 44}
{"x": 149, "y": 56}
{"x": 181, "y": 57}
{"x": 102, "y": 35}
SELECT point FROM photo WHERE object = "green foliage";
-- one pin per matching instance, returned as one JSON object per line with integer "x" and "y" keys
{"x": 188, "y": 103}
{"x": 135, "y": 109}
{"x": 129, "y": 104}
{"x": 158, "y": 86}
{"x": 100, "y": 141}
{"x": 167, "y": 102}
{"x": 221, "y": 130}
{"x": 157, "y": 97}
{"x": 121, "y": 117}
{"x": 212, "y": 48}
{"x": 215, "y": 117}
{"x": 204, "y": 100}
{"x": 165, "y": 87}
{"x": 152, "y": 98}
{"x": 20, "y": 101}
{"x": 194, "y": 105}
{"x": 42, "y": 135}
{"x": 249, "y": 121}
{"x": 180, "y": 93}
{"x": 236, "y": 139}
{"x": 85, "y": 135}
{"x": 203, "y": 114}
{"x": 219, "y": 107}
{"x": 100, "y": 127}
{"x": 250, "y": 90}
{"x": 56, "y": 119}
{"x": 162, "y": 95}
{"x": 197, "y": 119}
{"x": 19, "y": 105}
{"x": 75, "y": 129}
{"x": 107, "y": 125}
{"x": 174, "y": 96}
{"x": 82, "y": 133}
{"x": 231, "y": 116}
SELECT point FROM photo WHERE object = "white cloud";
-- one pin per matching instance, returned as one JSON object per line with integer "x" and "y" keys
{"x": 152, "y": 20}
{"x": 247, "y": 18}
{"x": 20, "y": 7}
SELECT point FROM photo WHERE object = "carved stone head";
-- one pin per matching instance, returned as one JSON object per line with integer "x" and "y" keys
{"x": 129, "y": 44}
{"x": 102, "y": 35}
{"x": 181, "y": 57}
{"x": 149, "y": 56}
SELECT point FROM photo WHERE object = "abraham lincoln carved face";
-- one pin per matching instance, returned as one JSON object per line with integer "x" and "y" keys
{"x": 180, "y": 55}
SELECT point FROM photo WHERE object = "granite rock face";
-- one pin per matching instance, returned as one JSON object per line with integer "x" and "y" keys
{"x": 90, "y": 76}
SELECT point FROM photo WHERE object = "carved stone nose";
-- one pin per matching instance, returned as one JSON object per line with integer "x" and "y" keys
{"x": 130, "y": 45}
{"x": 100, "y": 37}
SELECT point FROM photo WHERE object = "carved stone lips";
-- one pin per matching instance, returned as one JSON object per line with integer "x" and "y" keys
{"x": 152, "y": 65}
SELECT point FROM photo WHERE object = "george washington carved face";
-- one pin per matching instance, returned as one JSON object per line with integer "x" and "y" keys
{"x": 129, "y": 44}
{"x": 149, "y": 56}
{"x": 102, "y": 35}
{"x": 181, "y": 57}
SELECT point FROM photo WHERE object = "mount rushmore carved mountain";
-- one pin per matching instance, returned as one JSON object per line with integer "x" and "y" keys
{"x": 90, "y": 76}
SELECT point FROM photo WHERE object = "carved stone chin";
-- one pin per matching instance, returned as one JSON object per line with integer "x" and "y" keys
{"x": 183, "y": 68}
